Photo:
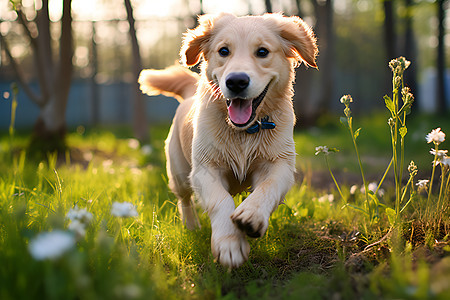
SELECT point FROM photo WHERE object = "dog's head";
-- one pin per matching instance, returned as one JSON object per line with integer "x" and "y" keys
{"x": 251, "y": 59}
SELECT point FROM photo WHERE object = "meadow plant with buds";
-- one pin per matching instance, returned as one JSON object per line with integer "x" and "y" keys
{"x": 399, "y": 106}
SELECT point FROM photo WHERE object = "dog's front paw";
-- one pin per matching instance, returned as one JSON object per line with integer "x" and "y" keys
{"x": 248, "y": 219}
{"x": 230, "y": 250}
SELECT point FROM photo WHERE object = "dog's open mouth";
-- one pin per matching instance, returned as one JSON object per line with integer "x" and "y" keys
{"x": 242, "y": 111}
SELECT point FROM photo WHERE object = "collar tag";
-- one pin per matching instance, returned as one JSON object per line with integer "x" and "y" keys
{"x": 263, "y": 124}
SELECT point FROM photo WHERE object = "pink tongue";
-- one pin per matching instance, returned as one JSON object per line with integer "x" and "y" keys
{"x": 240, "y": 111}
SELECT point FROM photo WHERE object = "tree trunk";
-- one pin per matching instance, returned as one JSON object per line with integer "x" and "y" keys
{"x": 268, "y": 4}
{"x": 140, "y": 125}
{"x": 51, "y": 123}
{"x": 299, "y": 8}
{"x": 441, "y": 89}
{"x": 389, "y": 29}
{"x": 410, "y": 51}
{"x": 54, "y": 79}
{"x": 309, "y": 105}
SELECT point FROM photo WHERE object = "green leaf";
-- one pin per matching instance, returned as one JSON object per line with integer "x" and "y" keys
{"x": 344, "y": 121}
{"x": 412, "y": 197}
{"x": 389, "y": 104}
{"x": 356, "y": 133}
{"x": 357, "y": 208}
{"x": 374, "y": 198}
{"x": 403, "y": 131}
{"x": 391, "y": 215}
{"x": 303, "y": 212}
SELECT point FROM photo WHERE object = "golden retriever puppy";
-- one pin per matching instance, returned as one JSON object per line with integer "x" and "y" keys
{"x": 233, "y": 129}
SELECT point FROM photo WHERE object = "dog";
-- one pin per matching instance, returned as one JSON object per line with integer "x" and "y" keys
{"x": 233, "y": 129}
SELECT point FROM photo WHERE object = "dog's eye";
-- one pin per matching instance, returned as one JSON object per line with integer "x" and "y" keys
{"x": 224, "y": 51}
{"x": 262, "y": 52}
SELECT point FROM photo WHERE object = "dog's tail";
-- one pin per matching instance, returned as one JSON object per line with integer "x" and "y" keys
{"x": 175, "y": 81}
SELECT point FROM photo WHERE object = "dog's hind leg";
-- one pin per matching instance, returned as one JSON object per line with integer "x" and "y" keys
{"x": 188, "y": 213}
{"x": 178, "y": 170}
{"x": 178, "y": 183}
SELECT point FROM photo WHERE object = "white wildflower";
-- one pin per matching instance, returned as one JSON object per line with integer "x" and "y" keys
{"x": 436, "y": 136}
{"x": 129, "y": 291}
{"x": 77, "y": 227}
{"x": 123, "y": 209}
{"x": 133, "y": 144}
{"x": 322, "y": 149}
{"x": 77, "y": 214}
{"x": 445, "y": 161}
{"x": 440, "y": 153}
{"x": 326, "y": 198}
{"x": 51, "y": 245}
{"x": 422, "y": 184}
{"x": 353, "y": 189}
{"x": 79, "y": 219}
{"x": 146, "y": 150}
{"x": 373, "y": 188}
{"x": 346, "y": 99}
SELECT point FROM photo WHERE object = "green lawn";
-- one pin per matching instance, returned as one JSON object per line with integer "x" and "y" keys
{"x": 313, "y": 249}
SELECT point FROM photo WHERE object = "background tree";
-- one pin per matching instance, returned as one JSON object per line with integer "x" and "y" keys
{"x": 140, "y": 127}
{"x": 390, "y": 35}
{"x": 53, "y": 75}
{"x": 311, "y": 102}
{"x": 441, "y": 88}
{"x": 410, "y": 49}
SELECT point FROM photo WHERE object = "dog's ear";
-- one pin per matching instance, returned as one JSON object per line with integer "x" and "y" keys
{"x": 299, "y": 39}
{"x": 196, "y": 41}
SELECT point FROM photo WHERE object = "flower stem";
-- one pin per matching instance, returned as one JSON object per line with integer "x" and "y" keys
{"x": 432, "y": 178}
{"x": 441, "y": 188}
{"x": 384, "y": 176}
{"x": 334, "y": 179}
{"x": 366, "y": 188}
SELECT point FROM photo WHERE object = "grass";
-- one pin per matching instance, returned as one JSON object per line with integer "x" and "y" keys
{"x": 309, "y": 251}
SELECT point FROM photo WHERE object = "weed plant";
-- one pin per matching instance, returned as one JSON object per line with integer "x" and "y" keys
{"x": 435, "y": 209}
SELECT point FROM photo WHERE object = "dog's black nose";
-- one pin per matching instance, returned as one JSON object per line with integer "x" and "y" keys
{"x": 237, "y": 82}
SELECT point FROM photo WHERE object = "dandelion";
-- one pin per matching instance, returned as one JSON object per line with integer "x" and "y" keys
{"x": 51, "y": 245}
{"x": 322, "y": 149}
{"x": 123, "y": 209}
{"x": 436, "y": 136}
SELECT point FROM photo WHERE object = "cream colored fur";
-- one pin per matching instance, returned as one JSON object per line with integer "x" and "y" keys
{"x": 208, "y": 154}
